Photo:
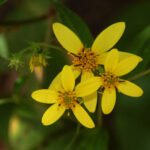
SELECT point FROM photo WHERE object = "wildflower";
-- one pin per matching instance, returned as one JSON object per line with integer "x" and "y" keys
{"x": 66, "y": 96}
{"x": 37, "y": 61}
{"x": 85, "y": 59}
{"x": 110, "y": 80}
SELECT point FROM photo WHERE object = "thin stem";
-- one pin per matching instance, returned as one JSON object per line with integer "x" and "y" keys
{"x": 25, "y": 50}
{"x": 99, "y": 112}
{"x": 51, "y": 46}
{"x": 44, "y": 45}
{"x": 74, "y": 137}
{"x": 140, "y": 75}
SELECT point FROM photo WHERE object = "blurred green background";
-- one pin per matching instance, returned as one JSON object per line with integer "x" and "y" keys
{"x": 24, "y": 21}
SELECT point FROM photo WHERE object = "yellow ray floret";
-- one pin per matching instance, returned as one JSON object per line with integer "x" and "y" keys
{"x": 108, "y": 38}
{"x": 111, "y": 81}
{"x": 67, "y": 38}
{"x": 65, "y": 96}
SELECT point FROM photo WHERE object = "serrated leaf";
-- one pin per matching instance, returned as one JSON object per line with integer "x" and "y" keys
{"x": 75, "y": 23}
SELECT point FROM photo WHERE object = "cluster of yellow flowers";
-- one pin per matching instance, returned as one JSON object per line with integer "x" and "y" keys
{"x": 37, "y": 61}
{"x": 63, "y": 92}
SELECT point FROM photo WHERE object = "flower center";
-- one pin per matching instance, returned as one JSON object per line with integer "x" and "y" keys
{"x": 85, "y": 60}
{"x": 67, "y": 99}
{"x": 109, "y": 80}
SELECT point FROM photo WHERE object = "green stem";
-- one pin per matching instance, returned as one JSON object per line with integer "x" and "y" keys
{"x": 25, "y": 50}
{"x": 41, "y": 44}
{"x": 74, "y": 137}
{"x": 140, "y": 75}
{"x": 51, "y": 46}
{"x": 99, "y": 112}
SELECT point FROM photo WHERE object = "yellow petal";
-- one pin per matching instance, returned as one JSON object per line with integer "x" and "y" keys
{"x": 75, "y": 71}
{"x": 31, "y": 67}
{"x": 83, "y": 117}
{"x": 90, "y": 102}
{"x": 88, "y": 87}
{"x": 52, "y": 114}
{"x": 67, "y": 78}
{"x": 68, "y": 39}
{"x": 108, "y": 100}
{"x": 86, "y": 75}
{"x": 45, "y": 96}
{"x": 56, "y": 81}
{"x": 111, "y": 61}
{"x": 130, "y": 89}
{"x": 123, "y": 55}
{"x": 101, "y": 58}
{"x": 109, "y": 37}
{"x": 126, "y": 65}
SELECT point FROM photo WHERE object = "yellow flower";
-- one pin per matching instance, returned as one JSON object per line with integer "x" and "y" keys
{"x": 65, "y": 96}
{"x": 110, "y": 80}
{"x": 37, "y": 61}
{"x": 85, "y": 59}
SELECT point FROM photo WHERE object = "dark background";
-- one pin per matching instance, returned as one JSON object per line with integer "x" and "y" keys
{"x": 126, "y": 128}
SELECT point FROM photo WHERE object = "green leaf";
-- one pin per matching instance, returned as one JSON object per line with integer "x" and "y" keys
{"x": 141, "y": 44}
{"x": 130, "y": 120}
{"x": 75, "y": 23}
{"x": 3, "y": 47}
{"x": 141, "y": 38}
{"x": 5, "y": 115}
{"x": 2, "y": 1}
{"x": 95, "y": 139}
{"x": 26, "y": 111}
{"x": 26, "y": 136}
{"x": 31, "y": 134}
{"x": 60, "y": 142}
{"x": 140, "y": 13}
